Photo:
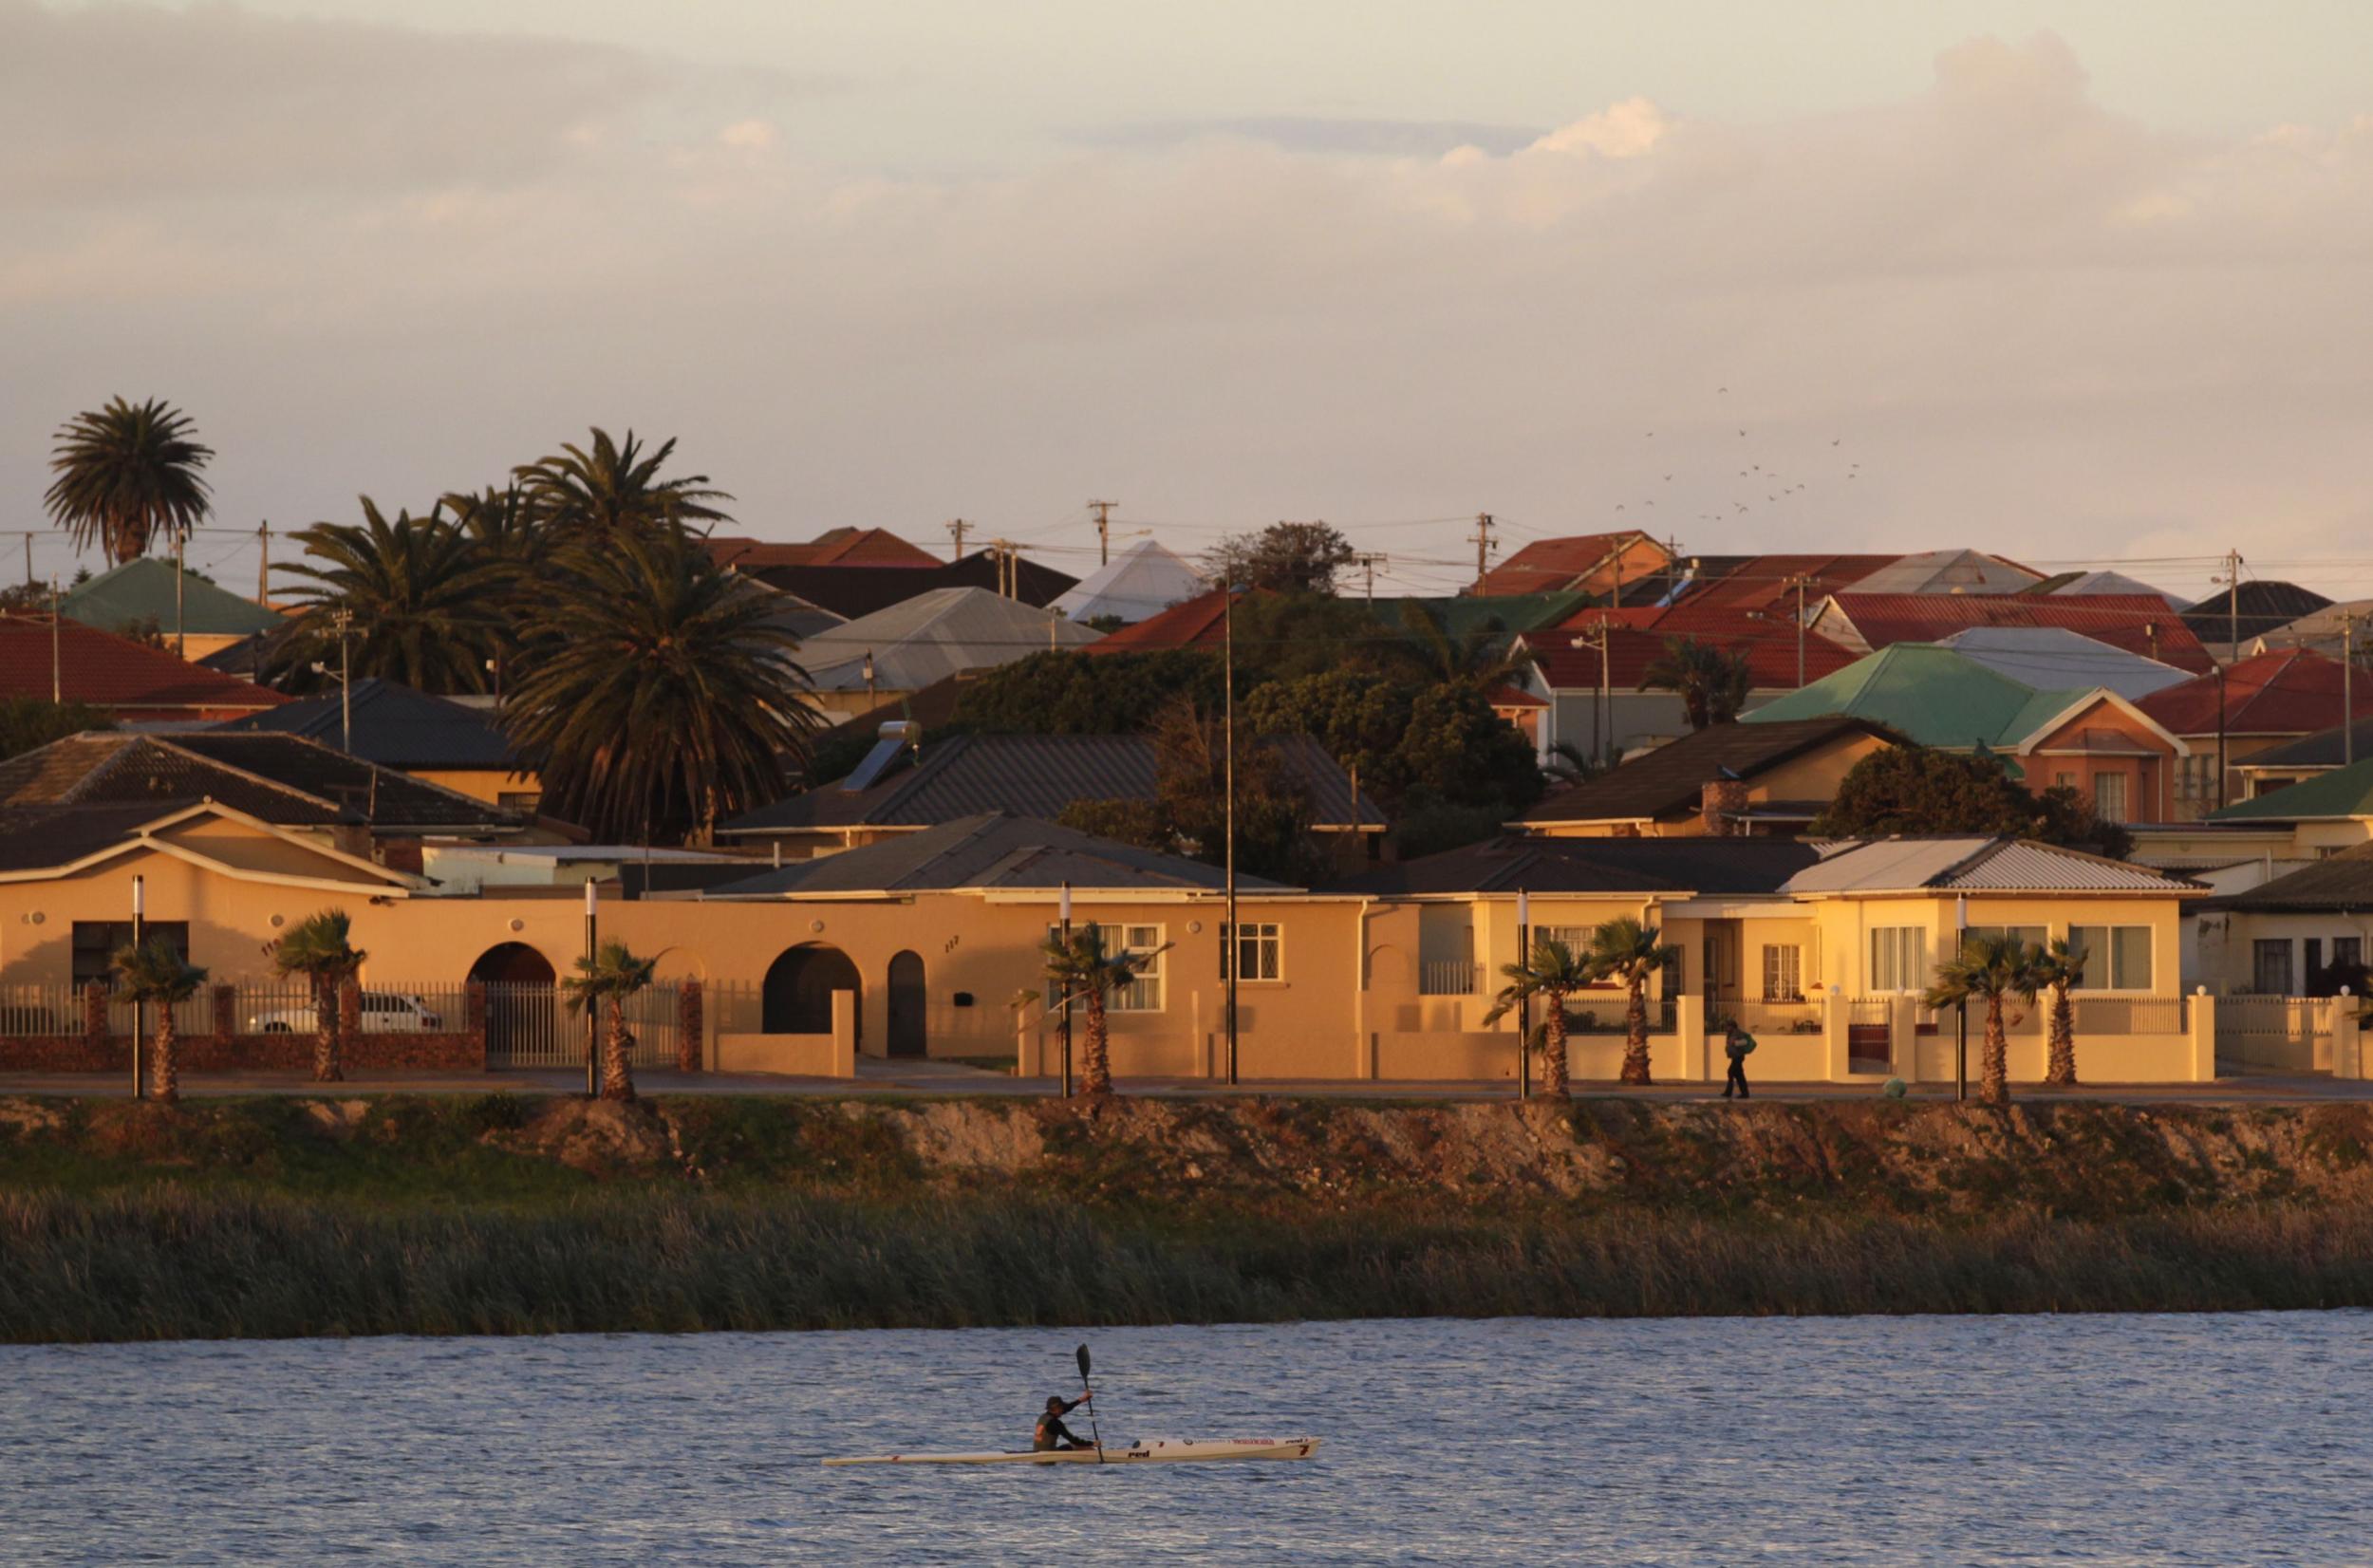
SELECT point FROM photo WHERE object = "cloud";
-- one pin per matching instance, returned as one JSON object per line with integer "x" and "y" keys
{"x": 1318, "y": 134}
{"x": 2028, "y": 323}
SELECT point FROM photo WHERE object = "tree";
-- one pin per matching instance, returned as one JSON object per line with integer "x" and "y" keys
{"x": 29, "y": 722}
{"x": 1552, "y": 972}
{"x": 614, "y": 489}
{"x": 657, "y": 698}
{"x": 1911, "y": 788}
{"x": 422, "y": 604}
{"x": 1188, "y": 815}
{"x": 158, "y": 972}
{"x": 1280, "y": 636}
{"x": 126, "y": 473}
{"x": 1483, "y": 657}
{"x": 1067, "y": 692}
{"x": 1623, "y": 949}
{"x": 1080, "y": 969}
{"x": 605, "y": 981}
{"x": 1711, "y": 684}
{"x": 1289, "y": 557}
{"x": 2057, "y": 969}
{"x": 1987, "y": 969}
{"x": 1570, "y": 764}
{"x": 319, "y": 948}
{"x": 1415, "y": 746}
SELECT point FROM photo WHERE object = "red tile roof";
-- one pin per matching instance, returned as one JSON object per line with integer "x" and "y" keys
{"x": 1770, "y": 654}
{"x": 839, "y": 546}
{"x": 2138, "y": 623}
{"x": 1547, "y": 566}
{"x": 109, "y": 672}
{"x": 1195, "y": 622}
{"x": 2292, "y": 693}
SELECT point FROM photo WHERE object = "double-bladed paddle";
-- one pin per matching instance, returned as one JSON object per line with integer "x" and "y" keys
{"x": 1090, "y": 1394}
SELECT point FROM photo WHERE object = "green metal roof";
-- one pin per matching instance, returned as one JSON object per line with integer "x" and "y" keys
{"x": 141, "y": 590}
{"x": 2343, "y": 792}
{"x": 1935, "y": 695}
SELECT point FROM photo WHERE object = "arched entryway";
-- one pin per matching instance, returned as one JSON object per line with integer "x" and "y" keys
{"x": 797, "y": 995}
{"x": 522, "y": 1005}
{"x": 907, "y": 1034}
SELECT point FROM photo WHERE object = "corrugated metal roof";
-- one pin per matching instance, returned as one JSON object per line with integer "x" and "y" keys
{"x": 2342, "y": 792}
{"x": 2055, "y": 657}
{"x": 1145, "y": 581}
{"x": 931, "y": 636}
{"x": 1968, "y": 864}
{"x": 107, "y": 671}
{"x": 142, "y": 590}
{"x": 2023, "y": 866}
{"x": 393, "y": 725}
{"x": 992, "y": 850}
{"x": 2139, "y": 624}
{"x": 2295, "y": 692}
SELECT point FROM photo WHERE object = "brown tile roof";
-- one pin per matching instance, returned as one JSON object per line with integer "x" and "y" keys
{"x": 1668, "y": 781}
{"x": 1547, "y": 566}
{"x": 838, "y": 547}
{"x": 110, "y": 672}
{"x": 2138, "y": 623}
{"x": 2292, "y": 693}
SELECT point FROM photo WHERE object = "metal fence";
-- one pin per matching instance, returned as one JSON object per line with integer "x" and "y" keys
{"x": 39, "y": 1010}
{"x": 2276, "y": 1020}
{"x": 2121, "y": 1014}
{"x": 531, "y": 1026}
{"x": 1445, "y": 978}
{"x": 1773, "y": 1018}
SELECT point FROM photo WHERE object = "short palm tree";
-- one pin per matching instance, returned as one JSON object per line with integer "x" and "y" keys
{"x": 158, "y": 972}
{"x": 126, "y": 473}
{"x": 1623, "y": 949}
{"x": 657, "y": 698}
{"x": 1081, "y": 969}
{"x": 1569, "y": 764}
{"x": 1552, "y": 972}
{"x": 2058, "y": 968}
{"x": 319, "y": 948}
{"x": 422, "y": 604}
{"x": 1711, "y": 684}
{"x": 1483, "y": 657}
{"x": 1988, "y": 969}
{"x": 605, "y": 981}
{"x": 614, "y": 487}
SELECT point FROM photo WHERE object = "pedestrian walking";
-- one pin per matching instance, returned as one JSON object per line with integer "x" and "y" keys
{"x": 1738, "y": 1044}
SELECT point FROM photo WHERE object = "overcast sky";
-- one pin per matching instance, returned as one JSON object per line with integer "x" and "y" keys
{"x": 2077, "y": 283}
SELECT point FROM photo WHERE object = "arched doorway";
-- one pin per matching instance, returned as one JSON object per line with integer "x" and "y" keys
{"x": 796, "y": 997}
{"x": 908, "y": 1035}
{"x": 522, "y": 1005}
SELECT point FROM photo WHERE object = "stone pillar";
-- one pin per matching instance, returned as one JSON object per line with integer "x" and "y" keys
{"x": 690, "y": 1022}
{"x": 1903, "y": 1027}
{"x": 1720, "y": 802}
{"x": 2347, "y": 1039}
{"x": 1837, "y": 1018}
{"x": 844, "y": 1034}
{"x": 2202, "y": 1019}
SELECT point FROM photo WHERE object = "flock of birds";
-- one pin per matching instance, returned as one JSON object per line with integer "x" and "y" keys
{"x": 1775, "y": 486}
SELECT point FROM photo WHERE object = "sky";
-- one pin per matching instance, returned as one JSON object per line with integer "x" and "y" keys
{"x": 2081, "y": 284}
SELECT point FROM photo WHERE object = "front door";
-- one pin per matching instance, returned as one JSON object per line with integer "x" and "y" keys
{"x": 1719, "y": 975}
{"x": 906, "y": 1035}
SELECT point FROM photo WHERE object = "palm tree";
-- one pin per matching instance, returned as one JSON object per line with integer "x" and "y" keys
{"x": 1711, "y": 684}
{"x": 2058, "y": 968}
{"x": 126, "y": 473}
{"x": 1552, "y": 972}
{"x": 607, "y": 979}
{"x": 1569, "y": 764}
{"x": 1483, "y": 658}
{"x": 1989, "y": 968}
{"x": 504, "y": 533}
{"x": 421, "y": 601}
{"x": 158, "y": 972}
{"x": 1623, "y": 949}
{"x": 615, "y": 488}
{"x": 318, "y": 949}
{"x": 1080, "y": 969}
{"x": 658, "y": 698}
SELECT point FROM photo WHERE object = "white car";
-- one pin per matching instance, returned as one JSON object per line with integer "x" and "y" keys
{"x": 384, "y": 1012}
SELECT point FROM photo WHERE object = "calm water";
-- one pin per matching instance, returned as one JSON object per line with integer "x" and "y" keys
{"x": 2143, "y": 1440}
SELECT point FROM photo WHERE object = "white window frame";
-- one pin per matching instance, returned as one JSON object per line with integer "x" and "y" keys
{"x": 1268, "y": 940}
{"x": 1791, "y": 967}
{"x": 2102, "y": 970}
{"x": 1142, "y": 994}
{"x": 1908, "y": 954}
{"x": 2124, "y": 809}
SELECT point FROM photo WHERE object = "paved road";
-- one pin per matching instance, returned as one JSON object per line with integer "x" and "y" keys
{"x": 877, "y": 1077}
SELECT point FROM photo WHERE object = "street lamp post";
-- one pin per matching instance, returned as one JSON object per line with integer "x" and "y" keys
{"x": 1961, "y": 1026}
{"x": 1063, "y": 918}
{"x": 139, "y": 1008}
{"x": 1524, "y": 999}
{"x": 592, "y": 1026}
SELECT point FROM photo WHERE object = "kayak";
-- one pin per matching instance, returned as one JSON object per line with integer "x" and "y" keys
{"x": 1144, "y": 1451}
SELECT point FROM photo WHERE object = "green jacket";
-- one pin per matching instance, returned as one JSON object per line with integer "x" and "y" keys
{"x": 1740, "y": 1044}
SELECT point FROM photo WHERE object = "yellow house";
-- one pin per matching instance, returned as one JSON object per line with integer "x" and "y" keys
{"x": 1725, "y": 780}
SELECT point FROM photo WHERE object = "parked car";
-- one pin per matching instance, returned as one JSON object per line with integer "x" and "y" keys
{"x": 384, "y": 1012}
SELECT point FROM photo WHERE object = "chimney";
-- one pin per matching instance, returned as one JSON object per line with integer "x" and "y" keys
{"x": 1721, "y": 803}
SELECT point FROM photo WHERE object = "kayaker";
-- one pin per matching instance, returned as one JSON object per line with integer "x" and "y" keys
{"x": 1052, "y": 1434}
{"x": 1736, "y": 1046}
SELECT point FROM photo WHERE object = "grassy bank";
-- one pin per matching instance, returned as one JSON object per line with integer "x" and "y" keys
{"x": 498, "y": 1216}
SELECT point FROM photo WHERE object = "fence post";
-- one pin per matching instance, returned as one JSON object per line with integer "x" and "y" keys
{"x": 843, "y": 1033}
{"x": 688, "y": 1026}
{"x": 225, "y": 1017}
{"x": 94, "y": 1038}
{"x": 2203, "y": 1021}
{"x": 1837, "y": 1023}
{"x": 2347, "y": 1039}
{"x": 349, "y": 1018}
{"x": 1688, "y": 1018}
{"x": 473, "y": 1017}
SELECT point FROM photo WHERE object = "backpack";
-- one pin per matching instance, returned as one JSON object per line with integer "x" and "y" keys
{"x": 1741, "y": 1044}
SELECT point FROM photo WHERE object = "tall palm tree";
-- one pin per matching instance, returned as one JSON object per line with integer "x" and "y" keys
{"x": 1080, "y": 969}
{"x": 614, "y": 487}
{"x": 158, "y": 972}
{"x": 607, "y": 979}
{"x": 504, "y": 532}
{"x": 422, "y": 604}
{"x": 2059, "y": 967}
{"x": 1988, "y": 969}
{"x": 657, "y": 698}
{"x": 126, "y": 473}
{"x": 1713, "y": 684}
{"x": 1483, "y": 657}
{"x": 1623, "y": 949}
{"x": 319, "y": 948}
{"x": 1552, "y": 971}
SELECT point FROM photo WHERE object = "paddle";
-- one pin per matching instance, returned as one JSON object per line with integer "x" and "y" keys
{"x": 1091, "y": 1404}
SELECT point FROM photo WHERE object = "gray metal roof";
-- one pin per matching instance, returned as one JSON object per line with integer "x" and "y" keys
{"x": 2056, "y": 659}
{"x": 932, "y": 636}
{"x": 394, "y": 725}
{"x": 1974, "y": 865}
{"x": 1145, "y": 581}
{"x": 990, "y": 850}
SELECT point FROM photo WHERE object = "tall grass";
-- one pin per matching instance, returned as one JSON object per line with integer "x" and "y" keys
{"x": 170, "y": 1263}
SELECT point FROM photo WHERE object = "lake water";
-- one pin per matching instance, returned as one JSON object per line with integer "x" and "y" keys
{"x": 2214, "y": 1440}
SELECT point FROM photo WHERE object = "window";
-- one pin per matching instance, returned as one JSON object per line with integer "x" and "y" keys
{"x": 1898, "y": 957}
{"x": 2271, "y": 970}
{"x": 1784, "y": 973}
{"x": 2348, "y": 952}
{"x": 519, "y": 800}
{"x": 2064, "y": 780}
{"x": 2117, "y": 958}
{"x": 2034, "y": 936}
{"x": 97, "y": 941}
{"x": 2314, "y": 962}
{"x": 2109, "y": 797}
{"x": 1576, "y": 938}
{"x": 1260, "y": 951}
{"x": 1142, "y": 994}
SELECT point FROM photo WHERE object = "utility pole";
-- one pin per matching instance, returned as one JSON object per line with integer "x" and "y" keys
{"x": 960, "y": 528}
{"x": 1368, "y": 563}
{"x": 592, "y": 1014}
{"x": 1524, "y": 1000}
{"x": 57, "y": 665}
{"x": 1483, "y": 547}
{"x": 1104, "y": 529}
{"x": 180, "y": 577}
{"x": 28, "y": 555}
{"x": 1596, "y": 638}
{"x": 2347, "y": 687}
{"x": 139, "y": 1008}
{"x": 1800, "y": 582}
{"x": 1227, "y": 642}
{"x": 343, "y": 620}
{"x": 263, "y": 564}
{"x": 2233, "y": 603}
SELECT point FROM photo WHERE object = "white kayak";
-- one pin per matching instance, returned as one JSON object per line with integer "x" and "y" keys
{"x": 1144, "y": 1451}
